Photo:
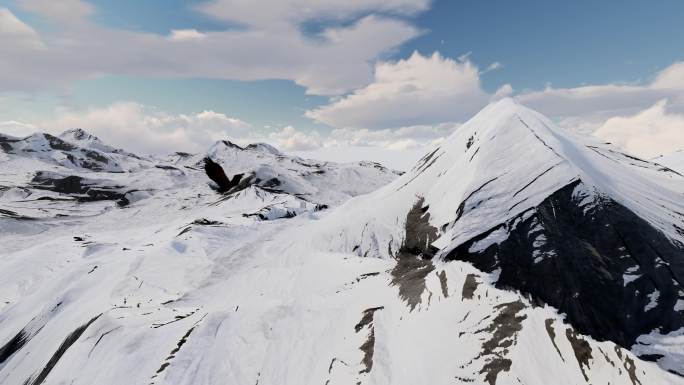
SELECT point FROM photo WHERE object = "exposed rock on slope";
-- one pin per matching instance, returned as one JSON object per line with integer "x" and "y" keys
{"x": 613, "y": 274}
{"x": 217, "y": 175}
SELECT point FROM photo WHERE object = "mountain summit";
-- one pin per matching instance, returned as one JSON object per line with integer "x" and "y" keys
{"x": 568, "y": 221}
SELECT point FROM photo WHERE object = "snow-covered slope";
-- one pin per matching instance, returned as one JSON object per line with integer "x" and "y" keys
{"x": 674, "y": 161}
{"x": 488, "y": 263}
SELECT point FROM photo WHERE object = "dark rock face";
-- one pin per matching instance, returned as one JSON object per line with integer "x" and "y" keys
{"x": 368, "y": 347}
{"x": 613, "y": 274}
{"x": 582, "y": 350}
{"x": 66, "y": 344}
{"x": 504, "y": 330}
{"x": 81, "y": 157}
{"x": 58, "y": 144}
{"x": 84, "y": 190}
{"x": 14, "y": 345}
{"x": 6, "y": 143}
{"x": 414, "y": 259}
{"x": 215, "y": 172}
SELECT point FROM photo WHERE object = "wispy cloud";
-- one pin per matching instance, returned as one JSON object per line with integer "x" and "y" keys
{"x": 269, "y": 45}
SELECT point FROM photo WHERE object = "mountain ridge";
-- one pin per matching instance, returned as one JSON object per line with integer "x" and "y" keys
{"x": 511, "y": 212}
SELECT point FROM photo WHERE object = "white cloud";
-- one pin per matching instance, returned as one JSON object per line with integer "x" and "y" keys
{"x": 16, "y": 128}
{"x": 394, "y": 138}
{"x": 16, "y": 34}
{"x": 609, "y": 99}
{"x": 62, "y": 11}
{"x": 401, "y": 160}
{"x": 279, "y": 12}
{"x": 492, "y": 67}
{"x": 645, "y": 119}
{"x": 670, "y": 77}
{"x": 186, "y": 35}
{"x": 505, "y": 90}
{"x": 290, "y": 139}
{"x": 649, "y": 133}
{"x": 137, "y": 128}
{"x": 418, "y": 90}
{"x": 333, "y": 62}
{"x": 397, "y": 148}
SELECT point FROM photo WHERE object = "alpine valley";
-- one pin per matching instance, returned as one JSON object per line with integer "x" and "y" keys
{"x": 515, "y": 252}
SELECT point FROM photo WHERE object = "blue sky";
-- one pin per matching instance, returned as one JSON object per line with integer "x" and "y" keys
{"x": 526, "y": 47}
{"x": 566, "y": 43}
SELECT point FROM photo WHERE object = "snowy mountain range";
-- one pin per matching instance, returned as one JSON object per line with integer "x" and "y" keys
{"x": 513, "y": 253}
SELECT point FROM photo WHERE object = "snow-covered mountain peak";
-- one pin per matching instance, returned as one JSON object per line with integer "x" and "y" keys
{"x": 516, "y": 157}
{"x": 85, "y": 139}
{"x": 505, "y": 161}
{"x": 223, "y": 146}
{"x": 263, "y": 147}
{"x": 561, "y": 217}
{"x": 78, "y": 134}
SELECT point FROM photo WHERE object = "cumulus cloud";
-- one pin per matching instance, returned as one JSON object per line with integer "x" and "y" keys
{"x": 398, "y": 148}
{"x": 609, "y": 100}
{"x": 186, "y": 35}
{"x": 290, "y": 139}
{"x": 418, "y": 90}
{"x": 16, "y": 128}
{"x": 649, "y": 133}
{"x": 645, "y": 119}
{"x": 670, "y": 77}
{"x": 137, "y": 128}
{"x": 270, "y": 44}
{"x": 391, "y": 138}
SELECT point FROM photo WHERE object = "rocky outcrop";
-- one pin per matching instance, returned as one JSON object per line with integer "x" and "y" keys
{"x": 217, "y": 175}
{"x": 613, "y": 274}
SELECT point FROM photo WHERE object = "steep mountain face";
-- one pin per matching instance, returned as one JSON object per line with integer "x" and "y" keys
{"x": 514, "y": 253}
{"x": 567, "y": 221}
